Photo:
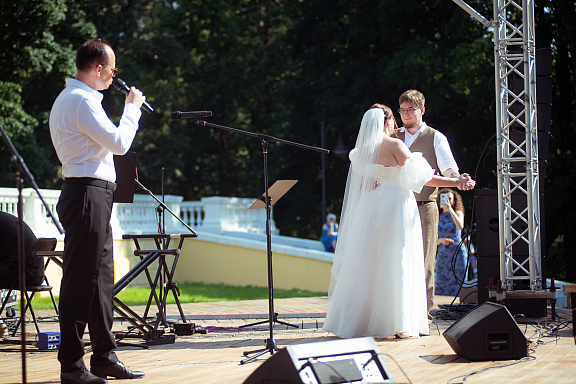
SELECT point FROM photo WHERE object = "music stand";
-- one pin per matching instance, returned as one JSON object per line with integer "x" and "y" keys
{"x": 275, "y": 192}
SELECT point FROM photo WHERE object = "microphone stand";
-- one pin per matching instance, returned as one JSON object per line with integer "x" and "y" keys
{"x": 270, "y": 343}
{"x": 24, "y": 173}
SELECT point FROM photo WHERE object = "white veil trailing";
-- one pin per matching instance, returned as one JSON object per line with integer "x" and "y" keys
{"x": 359, "y": 197}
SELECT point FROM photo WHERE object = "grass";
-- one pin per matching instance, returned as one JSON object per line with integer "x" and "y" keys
{"x": 197, "y": 293}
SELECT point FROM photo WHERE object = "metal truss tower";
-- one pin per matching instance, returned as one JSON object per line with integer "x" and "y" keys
{"x": 515, "y": 64}
{"x": 515, "y": 57}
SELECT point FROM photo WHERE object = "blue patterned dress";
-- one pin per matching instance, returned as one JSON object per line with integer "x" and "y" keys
{"x": 326, "y": 239}
{"x": 446, "y": 284}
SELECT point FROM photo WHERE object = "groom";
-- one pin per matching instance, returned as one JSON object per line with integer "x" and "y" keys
{"x": 434, "y": 146}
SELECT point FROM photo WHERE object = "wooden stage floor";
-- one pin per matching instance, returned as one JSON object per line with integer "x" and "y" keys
{"x": 215, "y": 357}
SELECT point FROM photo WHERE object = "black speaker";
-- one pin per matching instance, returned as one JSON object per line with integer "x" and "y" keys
{"x": 488, "y": 332}
{"x": 544, "y": 90}
{"x": 486, "y": 217}
{"x": 327, "y": 362}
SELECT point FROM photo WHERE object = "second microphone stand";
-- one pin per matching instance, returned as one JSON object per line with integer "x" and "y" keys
{"x": 270, "y": 342}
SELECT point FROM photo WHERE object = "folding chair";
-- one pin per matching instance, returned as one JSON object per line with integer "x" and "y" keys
{"x": 40, "y": 245}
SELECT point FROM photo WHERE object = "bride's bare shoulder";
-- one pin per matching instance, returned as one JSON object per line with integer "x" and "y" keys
{"x": 393, "y": 142}
{"x": 397, "y": 141}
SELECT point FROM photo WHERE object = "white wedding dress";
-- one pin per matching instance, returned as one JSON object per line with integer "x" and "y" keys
{"x": 378, "y": 284}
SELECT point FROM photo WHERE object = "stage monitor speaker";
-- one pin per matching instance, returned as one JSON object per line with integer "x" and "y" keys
{"x": 488, "y": 332}
{"x": 328, "y": 362}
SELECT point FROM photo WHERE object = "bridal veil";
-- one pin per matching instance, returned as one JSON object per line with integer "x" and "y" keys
{"x": 359, "y": 198}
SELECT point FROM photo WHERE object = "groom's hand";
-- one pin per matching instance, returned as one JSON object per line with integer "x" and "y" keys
{"x": 465, "y": 182}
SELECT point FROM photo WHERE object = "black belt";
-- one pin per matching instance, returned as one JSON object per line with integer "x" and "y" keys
{"x": 424, "y": 202}
{"x": 91, "y": 181}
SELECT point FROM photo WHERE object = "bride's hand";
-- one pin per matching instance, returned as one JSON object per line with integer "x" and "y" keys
{"x": 465, "y": 182}
{"x": 372, "y": 185}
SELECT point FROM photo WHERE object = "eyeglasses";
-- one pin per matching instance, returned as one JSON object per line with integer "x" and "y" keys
{"x": 114, "y": 70}
{"x": 408, "y": 111}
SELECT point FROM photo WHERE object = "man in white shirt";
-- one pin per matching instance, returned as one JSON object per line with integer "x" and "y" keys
{"x": 419, "y": 137}
{"x": 85, "y": 141}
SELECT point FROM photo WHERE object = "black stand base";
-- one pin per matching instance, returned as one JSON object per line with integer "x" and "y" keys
{"x": 159, "y": 338}
{"x": 270, "y": 347}
{"x": 274, "y": 320}
{"x": 164, "y": 339}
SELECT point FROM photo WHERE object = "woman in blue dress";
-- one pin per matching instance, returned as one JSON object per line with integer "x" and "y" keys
{"x": 452, "y": 257}
{"x": 329, "y": 233}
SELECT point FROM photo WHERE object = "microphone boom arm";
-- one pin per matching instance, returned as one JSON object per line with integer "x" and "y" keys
{"x": 262, "y": 136}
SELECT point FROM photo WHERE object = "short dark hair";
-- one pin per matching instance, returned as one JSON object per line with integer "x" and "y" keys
{"x": 91, "y": 53}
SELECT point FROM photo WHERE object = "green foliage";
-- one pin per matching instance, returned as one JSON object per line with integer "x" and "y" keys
{"x": 36, "y": 54}
{"x": 197, "y": 293}
{"x": 18, "y": 125}
{"x": 282, "y": 68}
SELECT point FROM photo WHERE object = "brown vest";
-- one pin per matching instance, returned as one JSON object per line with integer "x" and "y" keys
{"x": 425, "y": 143}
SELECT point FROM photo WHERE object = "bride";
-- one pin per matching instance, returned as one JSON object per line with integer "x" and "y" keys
{"x": 378, "y": 285}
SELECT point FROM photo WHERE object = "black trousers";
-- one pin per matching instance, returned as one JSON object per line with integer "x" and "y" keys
{"x": 87, "y": 287}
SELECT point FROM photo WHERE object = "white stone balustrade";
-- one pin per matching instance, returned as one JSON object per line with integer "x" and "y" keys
{"x": 211, "y": 214}
{"x": 34, "y": 210}
{"x": 231, "y": 214}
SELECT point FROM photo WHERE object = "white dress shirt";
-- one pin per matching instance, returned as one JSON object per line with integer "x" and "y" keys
{"x": 84, "y": 137}
{"x": 444, "y": 156}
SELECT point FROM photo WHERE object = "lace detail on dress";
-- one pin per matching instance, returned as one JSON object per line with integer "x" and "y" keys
{"x": 385, "y": 175}
{"x": 412, "y": 175}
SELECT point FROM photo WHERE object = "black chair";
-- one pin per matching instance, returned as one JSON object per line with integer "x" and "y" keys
{"x": 40, "y": 245}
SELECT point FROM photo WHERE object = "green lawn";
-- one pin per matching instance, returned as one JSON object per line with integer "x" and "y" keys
{"x": 197, "y": 293}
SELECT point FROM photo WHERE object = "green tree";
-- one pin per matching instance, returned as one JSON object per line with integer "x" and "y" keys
{"x": 36, "y": 53}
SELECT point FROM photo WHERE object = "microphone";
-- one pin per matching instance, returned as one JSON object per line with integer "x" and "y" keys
{"x": 177, "y": 115}
{"x": 120, "y": 85}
